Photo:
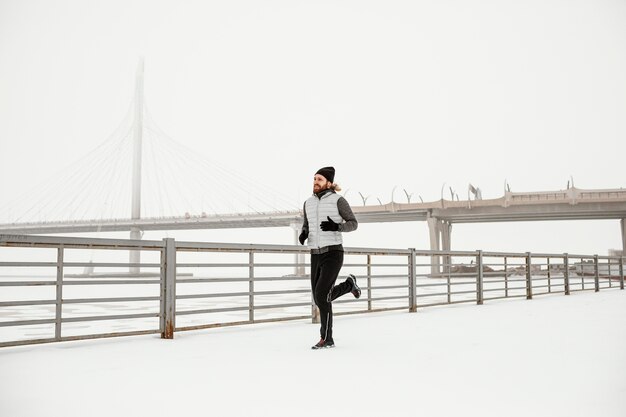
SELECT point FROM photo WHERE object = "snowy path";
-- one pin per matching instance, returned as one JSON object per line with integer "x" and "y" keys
{"x": 552, "y": 356}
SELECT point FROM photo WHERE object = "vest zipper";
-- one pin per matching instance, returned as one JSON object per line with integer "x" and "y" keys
{"x": 319, "y": 231}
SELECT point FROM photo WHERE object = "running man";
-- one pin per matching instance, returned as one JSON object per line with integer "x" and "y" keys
{"x": 326, "y": 216}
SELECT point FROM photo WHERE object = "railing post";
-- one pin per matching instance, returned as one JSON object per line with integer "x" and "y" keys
{"x": 59, "y": 294}
{"x": 621, "y": 273}
{"x": 412, "y": 282}
{"x": 369, "y": 282}
{"x": 168, "y": 288}
{"x": 596, "y": 278}
{"x": 449, "y": 286}
{"x": 315, "y": 312}
{"x": 566, "y": 273}
{"x": 549, "y": 275}
{"x": 582, "y": 274}
{"x": 506, "y": 278}
{"x": 251, "y": 286}
{"x": 529, "y": 278}
{"x": 479, "y": 277}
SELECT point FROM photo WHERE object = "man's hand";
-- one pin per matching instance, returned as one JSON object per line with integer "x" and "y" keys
{"x": 303, "y": 236}
{"x": 329, "y": 226}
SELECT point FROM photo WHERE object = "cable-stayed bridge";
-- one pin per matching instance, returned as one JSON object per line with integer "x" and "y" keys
{"x": 88, "y": 196}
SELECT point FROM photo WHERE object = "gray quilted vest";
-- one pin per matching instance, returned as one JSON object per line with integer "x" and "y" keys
{"x": 316, "y": 212}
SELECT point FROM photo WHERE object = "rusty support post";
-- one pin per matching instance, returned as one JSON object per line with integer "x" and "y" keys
{"x": 582, "y": 274}
{"x": 549, "y": 275}
{"x": 59, "y": 294}
{"x": 566, "y": 273}
{"x": 479, "y": 277}
{"x": 412, "y": 282}
{"x": 621, "y": 273}
{"x": 529, "y": 278}
{"x": 596, "y": 277}
{"x": 369, "y": 282}
{"x": 315, "y": 312}
{"x": 448, "y": 285}
{"x": 506, "y": 278}
{"x": 168, "y": 288}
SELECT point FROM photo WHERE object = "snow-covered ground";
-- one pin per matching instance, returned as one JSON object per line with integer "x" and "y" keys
{"x": 553, "y": 356}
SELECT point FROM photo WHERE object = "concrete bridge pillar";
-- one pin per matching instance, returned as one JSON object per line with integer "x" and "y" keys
{"x": 434, "y": 231}
{"x": 440, "y": 232}
{"x": 446, "y": 235}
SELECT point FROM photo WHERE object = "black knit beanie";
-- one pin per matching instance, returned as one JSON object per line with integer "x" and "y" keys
{"x": 327, "y": 172}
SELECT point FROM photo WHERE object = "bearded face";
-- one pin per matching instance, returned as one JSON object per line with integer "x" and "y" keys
{"x": 320, "y": 183}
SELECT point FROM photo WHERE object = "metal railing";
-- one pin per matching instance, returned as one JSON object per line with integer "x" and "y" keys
{"x": 193, "y": 285}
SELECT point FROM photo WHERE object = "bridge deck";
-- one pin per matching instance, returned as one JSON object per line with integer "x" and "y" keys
{"x": 572, "y": 204}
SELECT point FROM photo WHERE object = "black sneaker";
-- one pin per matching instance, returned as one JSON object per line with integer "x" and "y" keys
{"x": 324, "y": 344}
{"x": 356, "y": 291}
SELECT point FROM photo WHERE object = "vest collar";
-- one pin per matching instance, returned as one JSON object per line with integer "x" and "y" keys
{"x": 323, "y": 193}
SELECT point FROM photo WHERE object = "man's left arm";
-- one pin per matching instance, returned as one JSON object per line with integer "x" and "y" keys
{"x": 348, "y": 216}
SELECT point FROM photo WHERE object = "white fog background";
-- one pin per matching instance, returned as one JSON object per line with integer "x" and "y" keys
{"x": 405, "y": 94}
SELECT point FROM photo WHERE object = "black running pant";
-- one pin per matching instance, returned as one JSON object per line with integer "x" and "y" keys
{"x": 324, "y": 271}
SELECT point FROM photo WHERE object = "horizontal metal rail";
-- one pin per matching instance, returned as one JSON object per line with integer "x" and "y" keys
{"x": 505, "y": 296}
{"x": 436, "y": 294}
{"x": 26, "y": 322}
{"x": 239, "y": 294}
{"x": 107, "y": 282}
{"x": 114, "y": 317}
{"x": 26, "y": 283}
{"x": 110, "y": 264}
{"x": 28, "y": 264}
{"x": 108, "y": 300}
{"x": 81, "y": 337}
{"x": 446, "y": 303}
{"x": 27, "y": 303}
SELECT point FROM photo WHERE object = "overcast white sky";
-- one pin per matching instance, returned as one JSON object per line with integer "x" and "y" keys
{"x": 412, "y": 94}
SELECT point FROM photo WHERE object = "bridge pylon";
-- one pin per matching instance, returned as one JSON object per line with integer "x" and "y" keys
{"x": 135, "y": 232}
